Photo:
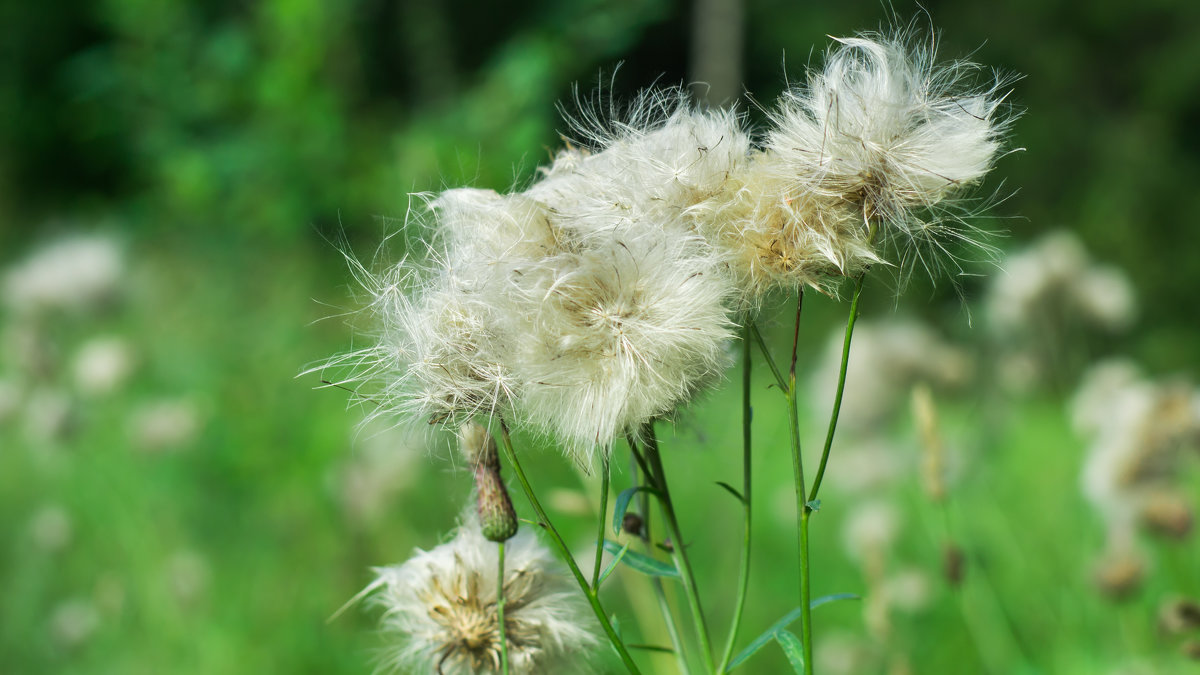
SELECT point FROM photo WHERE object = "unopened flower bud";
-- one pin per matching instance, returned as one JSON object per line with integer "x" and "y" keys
{"x": 1120, "y": 575}
{"x": 1168, "y": 515}
{"x": 954, "y": 564}
{"x": 1179, "y": 615}
{"x": 497, "y": 518}
{"x": 633, "y": 524}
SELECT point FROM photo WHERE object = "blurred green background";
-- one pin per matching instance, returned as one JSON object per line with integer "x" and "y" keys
{"x": 223, "y": 147}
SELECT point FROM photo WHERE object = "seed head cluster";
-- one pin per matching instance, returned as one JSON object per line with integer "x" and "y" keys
{"x": 441, "y": 605}
{"x": 603, "y": 296}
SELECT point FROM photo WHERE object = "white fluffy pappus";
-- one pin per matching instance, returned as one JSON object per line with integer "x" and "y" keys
{"x": 776, "y": 235}
{"x": 883, "y": 126}
{"x": 645, "y": 168}
{"x": 440, "y": 608}
{"x": 436, "y": 352}
{"x": 618, "y": 335}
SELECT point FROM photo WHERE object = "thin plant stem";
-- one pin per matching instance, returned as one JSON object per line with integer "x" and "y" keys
{"x": 679, "y": 551}
{"x": 500, "y": 611}
{"x": 802, "y": 510}
{"x": 841, "y": 387}
{"x": 744, "y": 575}
{"x": 762, "y": 346}
{"x": 660, "y": 593}
{"x": 561, "y": 545}
{"x": 604, "y": 477}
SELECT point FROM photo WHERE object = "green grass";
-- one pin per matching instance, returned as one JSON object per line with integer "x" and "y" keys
{"x": 254, "y": 497}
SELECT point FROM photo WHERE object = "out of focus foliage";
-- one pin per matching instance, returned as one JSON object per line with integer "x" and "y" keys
{"x": 290, "y": 117}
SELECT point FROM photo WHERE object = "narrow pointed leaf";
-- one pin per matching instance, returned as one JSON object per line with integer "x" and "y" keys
{"x": 652, "y": 648}
{"x": 834, "y": 597}
{"x": 642, "y": 563}
{"x": 612, "y": 565}
{"x": 793, "y": 647}
{"x": 761, "y": 640}
{"x": 782, "y": 625}
{"x": 732, "y": 491}
{"x": 622, "y": 504}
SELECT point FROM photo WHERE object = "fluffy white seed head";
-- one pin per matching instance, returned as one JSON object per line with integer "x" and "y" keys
{"x": 888, "y": 359}
{"x": 74, "y": 273}
{"x": 646, "y": 169}
{"x": 1055, "y": 279}
{"x": 436, "y": 354}
{"x": 440, "y": 609}
{"x": 1137, "y": 430}
{"x": 775, "y": 234}
{"x": 102, "y": 365}
{"x": 884, "y": 127}
{"x": 619, "y": 334}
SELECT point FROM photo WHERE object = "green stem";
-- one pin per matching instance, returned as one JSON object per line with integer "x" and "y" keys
{"x": 500, "y": 612}
{"x": 544, "y": 521}
{"x": 841, "y": 386}
{"x": 603, "y": 521}
{"x": 660, "y": 593}
{"x": 802, "y": 510}
{"x": 744, "y": 575}
{"x": 679, "y": 551}
{"x": 762, "y": 346}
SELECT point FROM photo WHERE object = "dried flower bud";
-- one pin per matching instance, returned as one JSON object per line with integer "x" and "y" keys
{"x": 1179, "y": 615}
{"x": 633, "y": 524}
{"x": 1168, "y": 515}
{"x": 933, "y": 458}
{"x": 1119, "y": 575}
{"x": 497, "y": 518}
{"x": 954, "y": 564}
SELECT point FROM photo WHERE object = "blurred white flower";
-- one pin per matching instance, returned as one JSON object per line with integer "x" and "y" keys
{"x": 380, "y": 468}
{"x": 48, "y": 414}
{"x": 76, "y": 272}
{"x": 870, "y": 464}
{"x": 838, "y": 653}
{"x": 870, "y": 529}
{"x": 188, "y": 575}
{"x": 908, "y": 590}
{"x": 1055, "y": 280}
{"x": 886, "y": 359}
{"x": 51, "y": 529}
{"x": 1137, "y": 430}
{"x": 167, "y": 424}
{"x": 102, "y": 365}
{"x": 73, "y": 622}
{"x": 440, "y": 609}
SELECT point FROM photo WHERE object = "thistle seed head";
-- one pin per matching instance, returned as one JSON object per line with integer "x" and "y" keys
{"x": 440, "y": 608}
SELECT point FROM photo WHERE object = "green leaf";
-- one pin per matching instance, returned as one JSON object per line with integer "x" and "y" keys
{"x": 642, "y": 563}
{"x": 622, "y": 504}
{"x": 732, "y": 491}
{"x": 763, "y": 639}
{"x": 814, "y": 505}
{"x": 612, "y": 565}
{"x": 652, "y": 648}
{"x": 833, "y": 597}
{"x": 793, "y": 647}
{"x": 781, "y": 625}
